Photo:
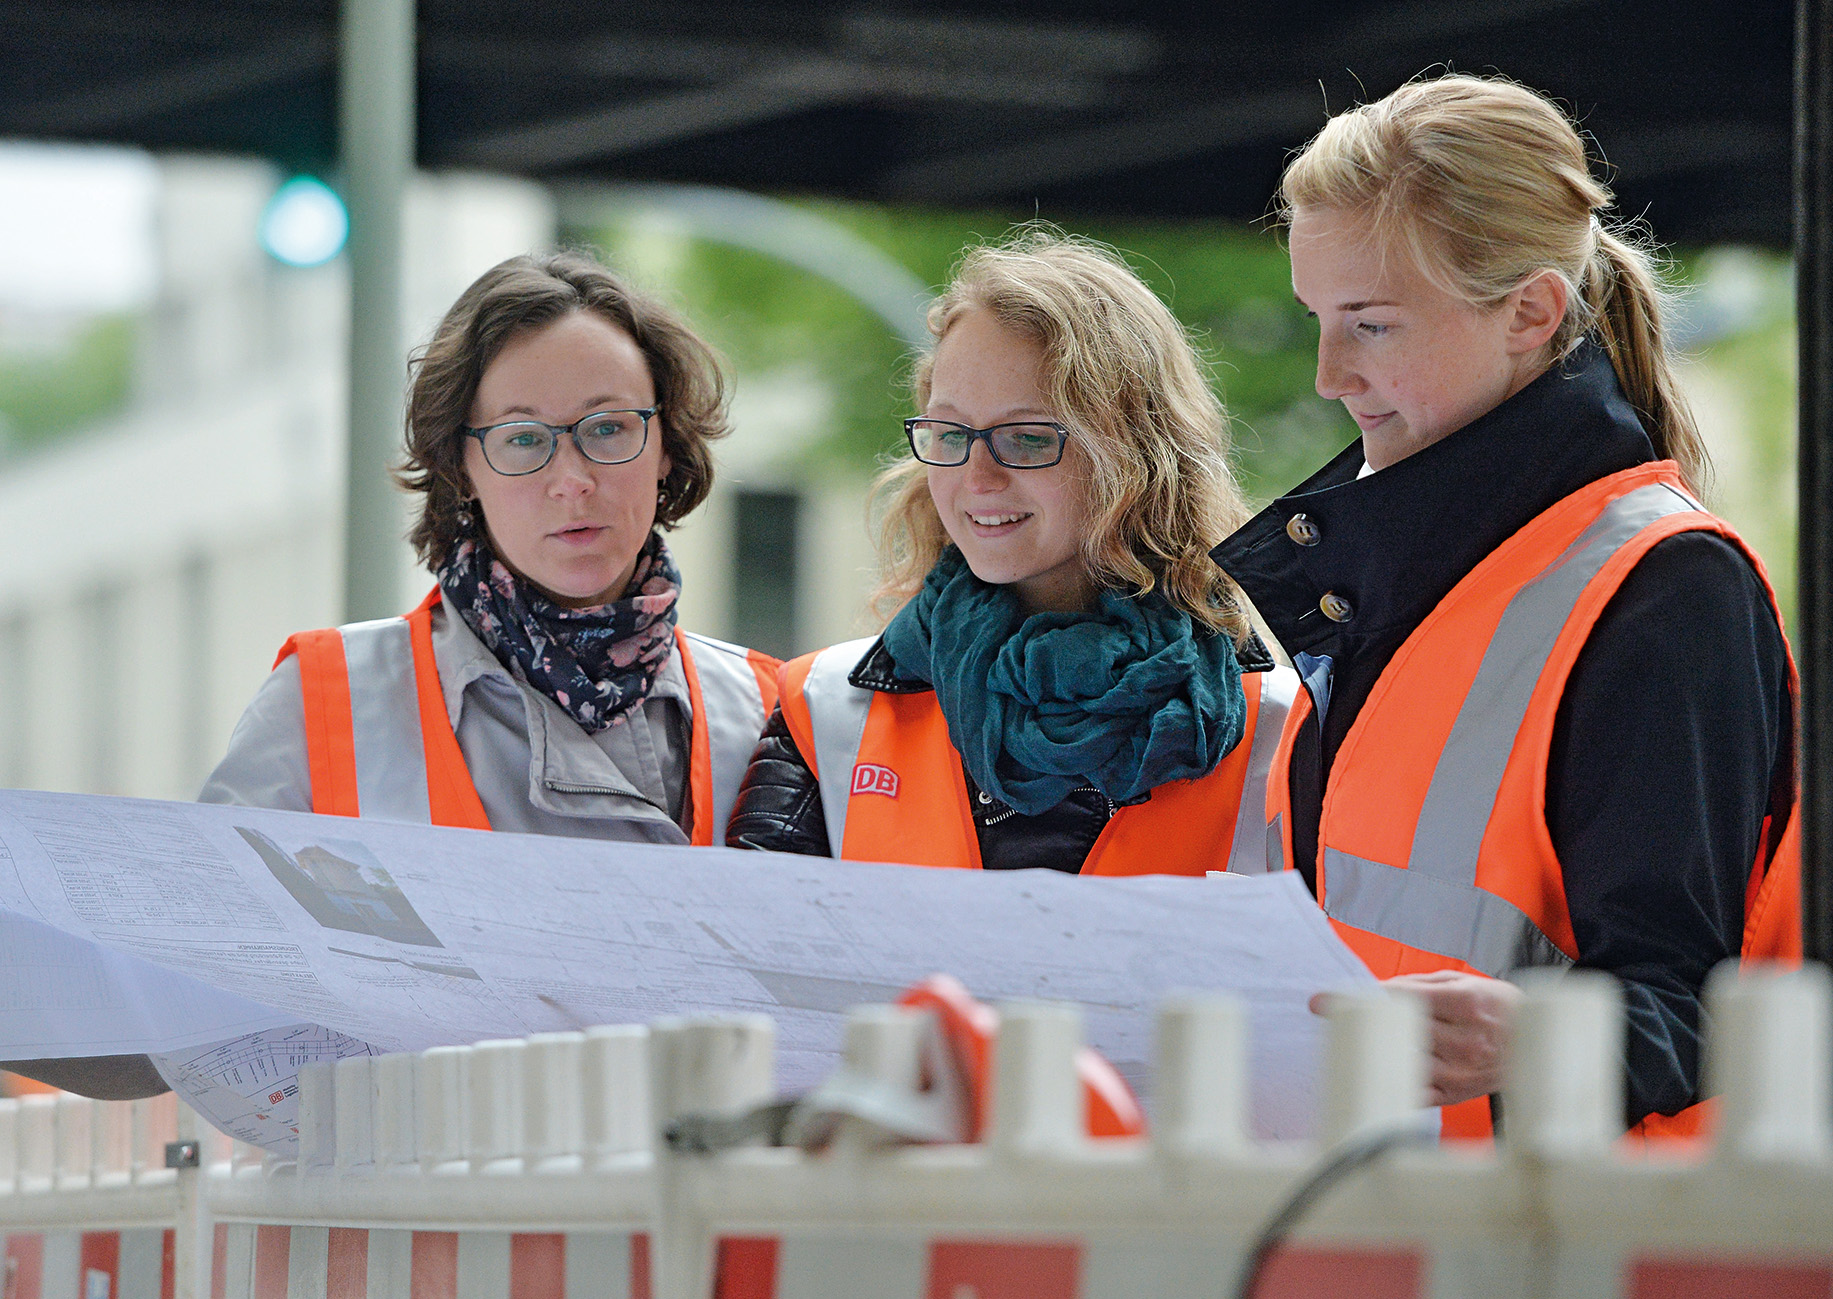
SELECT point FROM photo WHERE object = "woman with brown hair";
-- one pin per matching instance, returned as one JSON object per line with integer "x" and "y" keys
{"x": 559, "y": 423}
{"x": 1068, "y": 682}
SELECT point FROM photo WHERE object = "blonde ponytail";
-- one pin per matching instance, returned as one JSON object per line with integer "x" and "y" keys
{"x": 1486, "y": 185}
{"x": 1624, "y": 297}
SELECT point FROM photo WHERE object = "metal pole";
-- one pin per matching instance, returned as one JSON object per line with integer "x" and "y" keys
{"x": 1814, "y": 312}
{"x": 376, "y": 125}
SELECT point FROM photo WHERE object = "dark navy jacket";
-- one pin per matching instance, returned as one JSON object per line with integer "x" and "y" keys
{"x": 1675, "y": 733}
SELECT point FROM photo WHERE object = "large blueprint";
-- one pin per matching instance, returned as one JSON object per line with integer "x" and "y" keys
{"x": 237, "y": 942}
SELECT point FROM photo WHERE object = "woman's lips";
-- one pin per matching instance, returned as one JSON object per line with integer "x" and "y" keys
{"x": 583, "y": 535}
{"x": 996, "y": 523}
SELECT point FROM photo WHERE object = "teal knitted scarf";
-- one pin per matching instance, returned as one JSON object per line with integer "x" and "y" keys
{"x": 1124, "y": 698}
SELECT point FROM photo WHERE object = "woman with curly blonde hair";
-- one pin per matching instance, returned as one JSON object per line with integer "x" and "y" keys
{"x": 1068, "y": 681}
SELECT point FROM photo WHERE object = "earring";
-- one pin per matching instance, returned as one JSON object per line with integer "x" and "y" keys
{"x": 662, "y": 495}
{"x": 466, "y": 520}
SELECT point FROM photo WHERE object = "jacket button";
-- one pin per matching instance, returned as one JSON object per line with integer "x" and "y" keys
{"x": 1302, "y": 530}
{"x": 1336, "y": 608}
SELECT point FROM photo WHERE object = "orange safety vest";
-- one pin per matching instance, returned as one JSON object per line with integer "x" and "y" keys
{"x": 384, "y": 673}
{"x": 1433, "y": 847}
{"x": 892, "y": 789}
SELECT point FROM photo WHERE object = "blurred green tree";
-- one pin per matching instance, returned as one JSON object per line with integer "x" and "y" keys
{"x": 1228, "y": 285}
{"x": 65, "y": 383}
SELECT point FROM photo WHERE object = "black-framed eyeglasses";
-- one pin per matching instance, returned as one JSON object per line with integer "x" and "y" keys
{"x": 524, "y": 446}
{"x": 1030, "y": 445}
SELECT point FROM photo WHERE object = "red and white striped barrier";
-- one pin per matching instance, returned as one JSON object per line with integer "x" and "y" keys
{"x": 88, "y": 1207}
{"x": 532, "y": 1170}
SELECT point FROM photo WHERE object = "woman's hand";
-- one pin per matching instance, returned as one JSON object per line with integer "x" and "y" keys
{"x": 1471, "y": 1020}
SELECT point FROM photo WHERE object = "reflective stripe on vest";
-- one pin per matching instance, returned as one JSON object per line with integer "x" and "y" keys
{"x": 892, "y": 790}
{"x": 379, "y": 739}
{"x": 733, "y": 690}
{"x": 385, "y": 731}
{"x": 836, "y": 721}
{"x": 1251, "y": 854}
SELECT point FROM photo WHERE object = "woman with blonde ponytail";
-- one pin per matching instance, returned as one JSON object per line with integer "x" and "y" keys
{"x": 1549, "y": 709}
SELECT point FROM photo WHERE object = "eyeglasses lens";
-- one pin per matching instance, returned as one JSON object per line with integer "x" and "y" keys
{"x": 518, "y": 448}
{"x": 1027, "y": 445}
{"x": 612, "y": 438}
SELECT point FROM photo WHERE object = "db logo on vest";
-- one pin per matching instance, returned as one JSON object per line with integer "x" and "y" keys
{"x": 870, "y": 778}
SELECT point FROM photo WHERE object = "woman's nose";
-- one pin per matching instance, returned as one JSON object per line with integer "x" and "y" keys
{"x": 1335, "y": 380}
{"x": 983, "y": 472}
{"x": 570, "y": 473}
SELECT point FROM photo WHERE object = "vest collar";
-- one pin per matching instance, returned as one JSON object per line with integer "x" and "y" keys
{"x": 1391, "y": 545}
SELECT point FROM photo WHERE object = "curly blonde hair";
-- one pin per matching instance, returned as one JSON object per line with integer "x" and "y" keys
{"x": 1486, "y": 184}
{"x": 1123, "y": 377}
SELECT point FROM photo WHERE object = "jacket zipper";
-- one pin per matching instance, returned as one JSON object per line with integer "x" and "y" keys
{"x": 1007, "y": 813}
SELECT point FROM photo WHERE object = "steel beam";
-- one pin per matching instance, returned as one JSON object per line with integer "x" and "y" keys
{"x": 1814, "y": 311}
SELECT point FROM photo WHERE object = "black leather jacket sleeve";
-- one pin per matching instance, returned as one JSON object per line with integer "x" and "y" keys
{"x": 778, "y": 808}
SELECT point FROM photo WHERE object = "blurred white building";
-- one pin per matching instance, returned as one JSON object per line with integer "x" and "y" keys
{"x": 158, "y": 560}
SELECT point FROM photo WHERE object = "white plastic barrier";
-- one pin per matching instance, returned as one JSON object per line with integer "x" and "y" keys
{"x": 88, "y": 1206}
{"x": 532, "y": 1170}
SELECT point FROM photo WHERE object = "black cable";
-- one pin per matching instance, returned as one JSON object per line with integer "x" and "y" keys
{"x": 1357, "y": 1152}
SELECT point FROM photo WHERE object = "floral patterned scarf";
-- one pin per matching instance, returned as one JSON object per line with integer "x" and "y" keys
{"x": 596, "y": 663}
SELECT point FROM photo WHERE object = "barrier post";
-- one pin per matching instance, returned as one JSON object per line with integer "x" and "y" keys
{"x": 1766, "y": 1060}
{"x": 496, "y": 1133}
{"x": 113, "y": 1164}
{"x": 396, "y": 1152}
{"x": 1563, "y": 1097}
{"x": 883, "y": 1044}
{"x": 439, "y": 1110}
{"x": 1200, "y": 1092}
{"x": 1374, "y": 1062}
{"x": 317, "y": 1119}
{"x": 9, "y": 1145}
{"x": 193, "y": 1237}
{"x": 1037, "y": 1098}
{"x": 614, "y": 1104}
{"x": 697, "y": 1066}
{"x": 75, "y": 1141}
{"x": 353, "y": 1092}
{"x": 37, "y": 1142}
{"x": 553, "y": 1065}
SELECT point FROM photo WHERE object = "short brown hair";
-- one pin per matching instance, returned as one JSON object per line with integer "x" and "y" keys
{"x": 525, "y": 293}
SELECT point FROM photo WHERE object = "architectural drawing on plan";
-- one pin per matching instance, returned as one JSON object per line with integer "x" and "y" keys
{"x": 359, "y": 897}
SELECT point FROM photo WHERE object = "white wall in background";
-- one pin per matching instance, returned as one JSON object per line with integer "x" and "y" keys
{"x": 156, "y": 562}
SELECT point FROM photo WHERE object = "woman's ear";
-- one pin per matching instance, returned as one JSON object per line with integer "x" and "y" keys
{"x": 1536, "y": 309}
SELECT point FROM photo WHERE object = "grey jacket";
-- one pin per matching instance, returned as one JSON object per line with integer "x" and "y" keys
{"x": 536, "y": 771}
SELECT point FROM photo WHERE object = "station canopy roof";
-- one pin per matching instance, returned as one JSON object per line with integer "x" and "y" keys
{"x": 1046, "y": 106}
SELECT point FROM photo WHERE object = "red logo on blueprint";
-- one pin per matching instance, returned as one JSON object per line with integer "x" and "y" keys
{"x": 870, "y": 778}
